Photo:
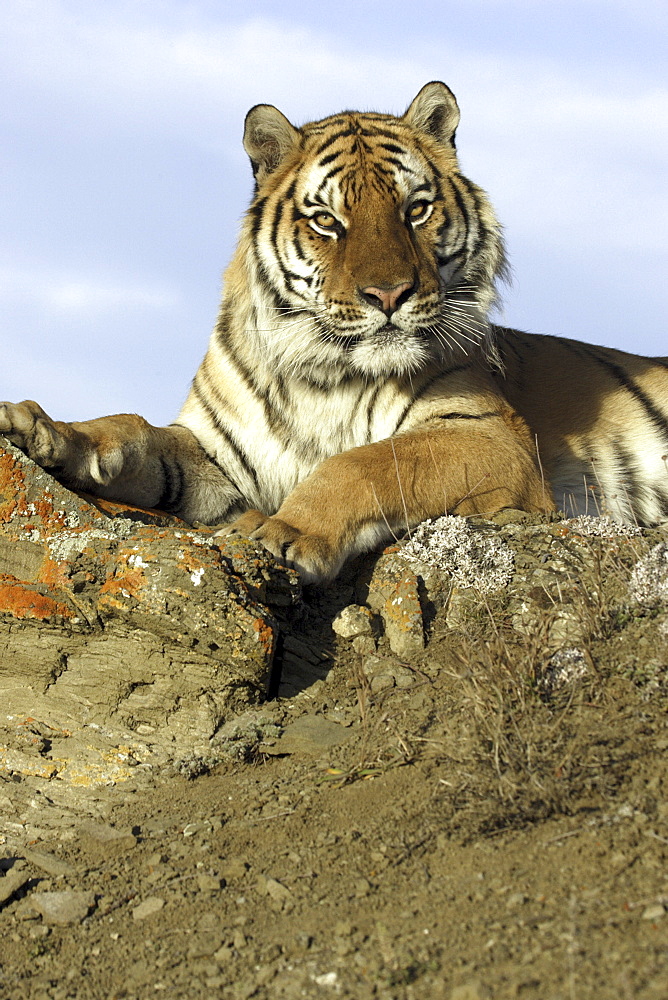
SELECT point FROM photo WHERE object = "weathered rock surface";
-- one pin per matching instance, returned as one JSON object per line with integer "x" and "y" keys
{"x": 128, "y": 638}
{"x": 119, "y": 619}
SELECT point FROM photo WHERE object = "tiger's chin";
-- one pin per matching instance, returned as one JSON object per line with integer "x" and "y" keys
{"x": 391, "y": 351}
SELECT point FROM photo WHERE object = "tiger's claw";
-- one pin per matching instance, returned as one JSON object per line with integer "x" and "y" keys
{"x": 310, "y": 555}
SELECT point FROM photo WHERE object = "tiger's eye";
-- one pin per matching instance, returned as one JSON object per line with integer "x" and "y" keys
{"x": 325, "y": 220}
{"x": 418, "y": 210}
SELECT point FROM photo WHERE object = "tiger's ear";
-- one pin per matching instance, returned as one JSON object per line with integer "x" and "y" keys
{"x": 268, "y": 138}
{"x": 435, "y": 111}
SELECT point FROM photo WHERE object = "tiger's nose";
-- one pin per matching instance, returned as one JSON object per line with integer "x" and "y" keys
{"x": 388, "y": 300}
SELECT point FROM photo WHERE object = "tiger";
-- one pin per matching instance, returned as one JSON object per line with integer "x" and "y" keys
{"x": 354, "y": 384}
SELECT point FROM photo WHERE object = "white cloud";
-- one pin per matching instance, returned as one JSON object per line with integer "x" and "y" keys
{"x": 76, "y": 293}
{"x": 572, "y": 151}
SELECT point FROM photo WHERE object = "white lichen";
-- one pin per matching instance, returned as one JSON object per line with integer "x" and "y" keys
{"x": 649, "y": 580}
{"x": 601, "y": 527}
{"x": 67, "y": 545}
{"x": 137, "y": 562}
{"x": 471, "y": 556}
{"x": 565, "y": 666}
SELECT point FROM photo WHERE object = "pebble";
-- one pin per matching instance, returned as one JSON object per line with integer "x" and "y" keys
{"x": 233, "y": 868}
{"x": 11, "y": 883}
{"x": 109, "y": 838}
{"x": 468, "y": 991}
{"x": 516, "y": 899}
{"x": 48, "y": 863}
{"x": 68, "y": 907}
{"x": 353, "y": 621}
{"x": 205, "y": 943}
{"x": 365, "y": 645}
{"x": 654, "y": 912}
{"x": 274, "y": 889}
{"x": 201, "y": 826}
{"x": 311, "y": 734}
{"x": 209, "y": 883}
{"x": 151, "y": 905}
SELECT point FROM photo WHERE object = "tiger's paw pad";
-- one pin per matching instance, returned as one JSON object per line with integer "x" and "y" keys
{"x": 29, "y": 428}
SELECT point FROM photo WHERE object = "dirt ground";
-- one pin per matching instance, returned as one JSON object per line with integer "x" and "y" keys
{"x": 455, "y": 824}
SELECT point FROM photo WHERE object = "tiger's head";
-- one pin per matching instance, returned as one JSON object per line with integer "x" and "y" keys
{"x": 366, "y": 236}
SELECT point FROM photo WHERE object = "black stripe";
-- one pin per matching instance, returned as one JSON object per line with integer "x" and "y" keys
{"x": 426, "y": 387}
{"x": 483, "y": 234}
{"x": 328, "y": 176}
{"x": 469, "y": 416}
{"x": 461, "y": 205}
{"x": 333, "y": 138}
{"x": 397, "y": 163}
{"x": 173, "y": 485}
{"x": 256, "y": 212}
{"x": 245, "y": 374}
{"x": 373, "y": 398}
{"x": 167, "y": 486}
{"x": 632, "y": 485}
{"x": 442, "y": 259}
{"x": 655, "y": 416}
{"x": 233, "y": 445}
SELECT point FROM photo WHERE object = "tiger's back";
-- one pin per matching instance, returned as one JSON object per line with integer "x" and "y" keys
{"x": 600, "y": 417}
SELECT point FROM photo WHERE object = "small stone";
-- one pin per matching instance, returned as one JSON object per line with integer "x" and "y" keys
{"x": 394, "y": 591}
{"x": 362, "y": 887}
{"x": 381, "y": 682}
{"x": 69, "y": 907}
{"x": 654, "y": 912}
{"x": 516, "y": 899}
{"x": 274, "y": 889}
{"x": 108, "y": 838}
{"x": 192, "y": 829}
{"x": 48, "y": 863}
{"x": 209, "y": 883}
{"x": 468, "y": 991}
{"x": 403, "y": 677}
{"x": 365, "y": 645}
{"x": 151, "y": 905}
{"x": 311, "y": 734}
{"x": 330, "y": 979}
{"x": 372, "y": 665}
{"x": 205, "y": 943}
{"x": 233, "y": 869}
{"x": 11, "y": 883}
{"x": 239, "y": 940}
{"x": 353, "y": 621}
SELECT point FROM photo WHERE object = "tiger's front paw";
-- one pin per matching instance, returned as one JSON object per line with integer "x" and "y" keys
{"x": 73, "y": 456}
{"x": 28, "y": 427}
{"x": 311, "y": 555}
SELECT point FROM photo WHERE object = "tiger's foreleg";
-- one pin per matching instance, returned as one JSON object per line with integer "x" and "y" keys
{"x": 355, "y": 499}
{"x": 124, "y": 458}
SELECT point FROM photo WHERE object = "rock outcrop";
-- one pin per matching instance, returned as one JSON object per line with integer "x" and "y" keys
{"x": 126, "y": 619}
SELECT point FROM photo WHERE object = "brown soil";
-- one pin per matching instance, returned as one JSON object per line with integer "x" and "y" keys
{"x": 461, "y": 830}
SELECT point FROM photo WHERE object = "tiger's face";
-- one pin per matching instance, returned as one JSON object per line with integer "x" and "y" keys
{"x": 363, "y": 226}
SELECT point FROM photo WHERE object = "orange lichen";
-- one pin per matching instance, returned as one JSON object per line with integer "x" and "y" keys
{"x": 12, "y": 487}
{"x": 124, "y": 581}
{"x": 265, "y": 634}
{"x": 22, "y": 601}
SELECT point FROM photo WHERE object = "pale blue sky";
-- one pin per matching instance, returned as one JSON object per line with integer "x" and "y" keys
{"x": 123, "y": 175}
